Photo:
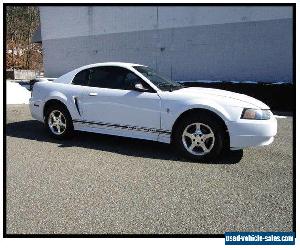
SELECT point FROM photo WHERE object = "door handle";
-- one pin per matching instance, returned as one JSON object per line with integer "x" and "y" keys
{"x": 93, "y": 94}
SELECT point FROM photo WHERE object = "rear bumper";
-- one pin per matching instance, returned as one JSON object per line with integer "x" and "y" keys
{"x": 250, "y": 133}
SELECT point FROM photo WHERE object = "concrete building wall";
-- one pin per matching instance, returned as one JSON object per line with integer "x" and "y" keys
{"x": 185, "y": 43}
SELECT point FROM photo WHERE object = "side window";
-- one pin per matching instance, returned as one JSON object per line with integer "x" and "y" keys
{"x": 113, "y": 77}
{"x": 81, "y": 78}
{"x": 99, "y": 77}
{"x": 131, "y": 79}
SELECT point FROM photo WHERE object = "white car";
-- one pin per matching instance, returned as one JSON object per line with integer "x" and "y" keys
{"x": 132, "y": 100}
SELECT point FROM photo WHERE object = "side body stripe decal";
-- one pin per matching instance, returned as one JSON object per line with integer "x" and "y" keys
{"x": 128, "y": 127}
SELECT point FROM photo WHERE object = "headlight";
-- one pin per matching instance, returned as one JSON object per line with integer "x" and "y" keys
{"x": 256, "y": 114}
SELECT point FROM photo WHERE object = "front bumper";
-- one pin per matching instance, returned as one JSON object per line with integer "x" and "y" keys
{"x": 249, "y": 133}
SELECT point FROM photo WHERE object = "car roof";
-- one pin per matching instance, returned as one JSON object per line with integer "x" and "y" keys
{"x": 68, "y": 77}
{"x": 120, "y": 64}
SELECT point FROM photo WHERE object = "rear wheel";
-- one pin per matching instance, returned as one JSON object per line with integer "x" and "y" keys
{"x": 200, "y": 137}
{"x": 58, "y": 122}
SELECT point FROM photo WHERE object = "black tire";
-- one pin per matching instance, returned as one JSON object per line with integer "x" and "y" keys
{"x": 66, "y": 118}
{"x": 212, "y": 124}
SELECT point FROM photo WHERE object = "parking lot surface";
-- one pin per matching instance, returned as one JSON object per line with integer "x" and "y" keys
{"x": 111, "y": 185}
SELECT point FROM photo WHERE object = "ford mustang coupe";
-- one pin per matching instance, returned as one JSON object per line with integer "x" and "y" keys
{"x": 132, "y": 100}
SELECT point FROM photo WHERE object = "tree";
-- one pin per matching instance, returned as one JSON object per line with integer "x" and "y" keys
{"x": 21, "y": 23}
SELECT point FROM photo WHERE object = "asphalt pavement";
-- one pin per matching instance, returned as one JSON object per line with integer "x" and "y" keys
{"x": 101, "y": 184}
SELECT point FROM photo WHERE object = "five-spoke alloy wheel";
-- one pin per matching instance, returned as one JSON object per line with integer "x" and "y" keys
{"x": 58, "y": 121}
{"x": 199, "y": 136}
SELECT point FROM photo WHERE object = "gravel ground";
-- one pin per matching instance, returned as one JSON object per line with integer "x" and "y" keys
{"x": 104, "y": 184}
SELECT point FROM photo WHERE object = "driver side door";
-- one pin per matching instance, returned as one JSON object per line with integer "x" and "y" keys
{"x": 111, "y": 104}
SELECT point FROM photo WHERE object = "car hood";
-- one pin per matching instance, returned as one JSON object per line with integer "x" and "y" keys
{"x": 221, "y": 96}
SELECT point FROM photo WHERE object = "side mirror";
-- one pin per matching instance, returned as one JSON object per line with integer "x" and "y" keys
{"x": 139, "y": 87}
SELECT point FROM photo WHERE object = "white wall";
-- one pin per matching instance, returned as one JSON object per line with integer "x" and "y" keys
{"x": 65, "y": 22}
{"x": 184, "y": 43}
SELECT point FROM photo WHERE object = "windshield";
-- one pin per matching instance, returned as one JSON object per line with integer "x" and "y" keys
{"x": 161, "y": 82}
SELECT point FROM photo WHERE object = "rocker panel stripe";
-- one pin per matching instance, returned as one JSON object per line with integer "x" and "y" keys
{"x": 128, "y": 127}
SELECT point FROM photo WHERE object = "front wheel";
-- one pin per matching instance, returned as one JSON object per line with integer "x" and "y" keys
{"x": 58, "y": 122}
{"x": 200, "y": 138}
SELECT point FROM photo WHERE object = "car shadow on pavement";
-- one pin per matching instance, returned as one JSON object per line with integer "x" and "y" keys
{"x": 34, "y": 130}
